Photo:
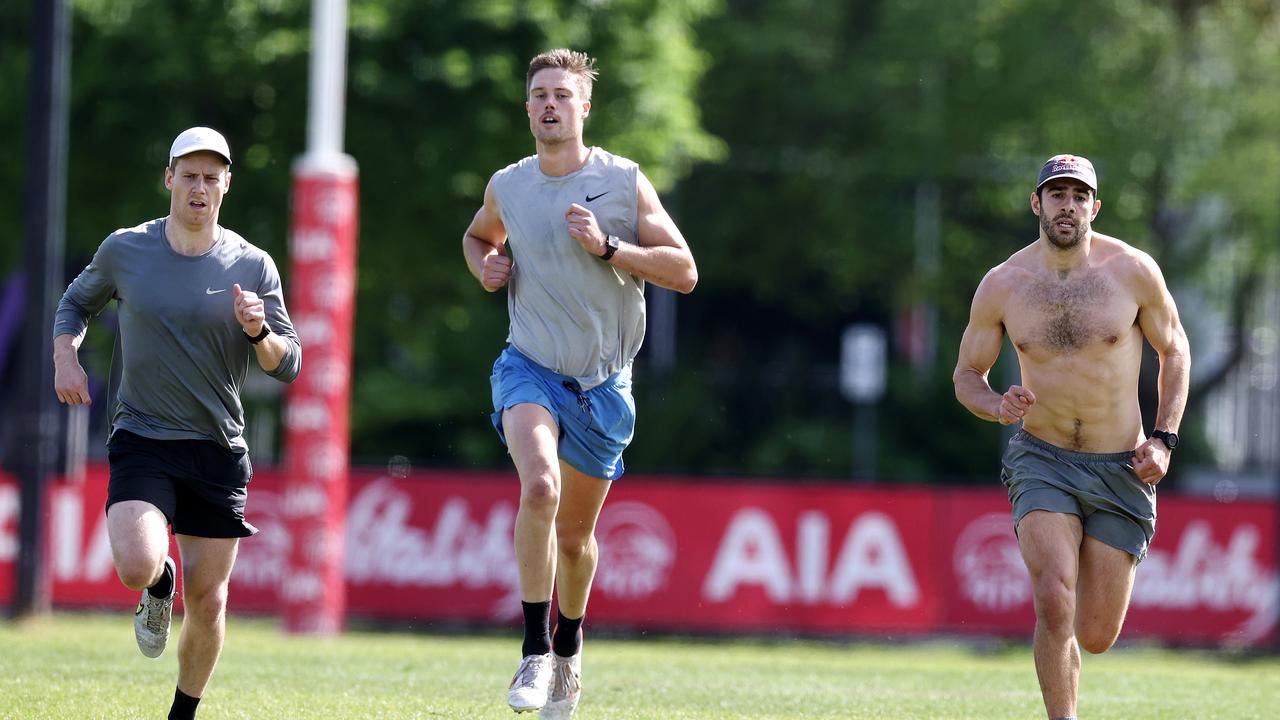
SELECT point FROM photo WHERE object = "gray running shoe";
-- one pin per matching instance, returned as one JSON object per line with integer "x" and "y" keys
{"x": 532, "y": 682}
{"x": 566, "y": 688}
{"x": 153, "y": 617}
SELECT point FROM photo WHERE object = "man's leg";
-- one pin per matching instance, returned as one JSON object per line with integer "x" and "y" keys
{"x": 139, "y": 537}
{"x": 1050, "y": 545}
{"x": 581, "y": 498}
{"x": 206, "y": 569}
{"x": 1102, "y": 596}
{"x": 532, "y": 435}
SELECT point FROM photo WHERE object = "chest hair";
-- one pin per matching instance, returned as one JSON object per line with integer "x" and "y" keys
{"x": 1067, "y": 310}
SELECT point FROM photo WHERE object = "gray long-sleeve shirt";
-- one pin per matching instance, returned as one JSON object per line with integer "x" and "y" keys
{"x": 184, "y": 355}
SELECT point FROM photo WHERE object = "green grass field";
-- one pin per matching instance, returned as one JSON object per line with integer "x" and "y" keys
{"x": 86, "y": 666}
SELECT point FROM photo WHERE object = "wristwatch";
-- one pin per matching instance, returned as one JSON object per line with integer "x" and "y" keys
{"x": 610, "y": 247}
{"x": 1170, "y": 439}
{"x": 255, "y": 339}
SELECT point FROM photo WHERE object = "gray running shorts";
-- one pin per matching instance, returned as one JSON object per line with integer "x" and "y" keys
{"x": 1100, "y": 489}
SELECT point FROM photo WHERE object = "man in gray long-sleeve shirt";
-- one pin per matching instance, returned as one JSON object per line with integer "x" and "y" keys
{"x": 195, "y": 301}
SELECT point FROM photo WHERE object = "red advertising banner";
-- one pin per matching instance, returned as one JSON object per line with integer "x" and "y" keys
{"x": 685, "y": 554}
{"x": 321, "y": 301}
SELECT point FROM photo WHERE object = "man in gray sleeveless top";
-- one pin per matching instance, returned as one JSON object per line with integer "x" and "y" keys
{"x": 573, "y": 233}
{"x": 195, "y": 302}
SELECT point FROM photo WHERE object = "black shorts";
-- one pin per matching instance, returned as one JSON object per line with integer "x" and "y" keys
{"x": 200, "y": 486}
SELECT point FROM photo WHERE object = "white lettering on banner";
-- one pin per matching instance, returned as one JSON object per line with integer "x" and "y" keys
{"x": 313, "y": 329}
{"x": 8, "y": 522}
{"x": 99, "y": 564}
{"x": 301, "y": 500}
{"x": 325, "y": 462}
{"x": 384, "y": 547}
{"x": 72, "y": 560}
{"x": 1203, "y": 574}
{"x": 302, "y": 587}
{"x": 333, "y": 290}
{"x": 321, "y": 544}
{"x": 872, "y": 556}
{"x": 751, "y": 553}
{"x": 327, "y": 376}
{"x": 68, "y": 524}
{"x": 813, "y": 540}
{"x": 312, "y": 245}
{"x": 307, "y": 415}
{"x": 637, "y": 548}
{"x": 333, "y": 206}
{"x": 988, "y": 564}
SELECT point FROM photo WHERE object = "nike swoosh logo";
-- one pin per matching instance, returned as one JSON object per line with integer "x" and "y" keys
{"x": 211, "y": 291}
{"x": 590, "y": 198}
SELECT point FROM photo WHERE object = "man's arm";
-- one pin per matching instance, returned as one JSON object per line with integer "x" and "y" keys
{"x": 979, "y": 349}
{"x": 85, "y": 297}
{"x": 1161, "y": 326}
{"x": 69, "y": 379}
{"x": 484, "y": 244}
{"x": 660, "y": 256}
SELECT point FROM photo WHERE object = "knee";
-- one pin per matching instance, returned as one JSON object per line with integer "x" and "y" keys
{"x": 539, "y": 494}
{"x": 1055, "y": 604}
{"x": 138, "y": 573}
{"x": 573, "y": 543}
{"x": 206, "y": 604}
{"x": 1097, "y": 640}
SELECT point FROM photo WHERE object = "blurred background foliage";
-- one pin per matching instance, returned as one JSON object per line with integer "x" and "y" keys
{"x": 829, "y": 162}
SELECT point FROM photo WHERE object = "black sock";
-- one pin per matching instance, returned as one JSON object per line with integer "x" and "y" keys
{"x": 568, "y": 638}
{"x": 184, "y": 706}
{"x": 537, "y": 628}
{"x": 163, "y": 586}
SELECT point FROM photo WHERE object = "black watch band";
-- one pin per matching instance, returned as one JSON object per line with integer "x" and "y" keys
{"x": 255, "y": 339}
{"x": 1170, "y": 439}
{"x": 610, "y": 247}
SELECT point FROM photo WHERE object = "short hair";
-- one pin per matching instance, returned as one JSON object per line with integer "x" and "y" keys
{"x": 578, "y": 64}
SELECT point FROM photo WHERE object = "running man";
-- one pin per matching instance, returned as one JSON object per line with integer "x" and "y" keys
{"x": 587, "y": 230}
{"x": 196, "y": 301}
{"x": 1081, "y": 473}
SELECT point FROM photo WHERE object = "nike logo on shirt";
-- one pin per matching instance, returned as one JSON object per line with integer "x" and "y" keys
{"x": 596, "y": 197}
{"x": 211, "y": 291}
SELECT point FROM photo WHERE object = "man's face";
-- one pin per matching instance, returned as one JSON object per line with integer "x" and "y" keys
{"x": 556, "y": 107}
{"x": 1066, "y": 208}
{"x": 197, "y": 183}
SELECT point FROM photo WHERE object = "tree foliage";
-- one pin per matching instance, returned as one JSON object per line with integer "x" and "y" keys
{"x": 829, "y": 163}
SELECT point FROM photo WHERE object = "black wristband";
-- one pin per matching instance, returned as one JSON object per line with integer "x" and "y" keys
{"x": 610, "y": 247}
{"x": 255, "y": 339}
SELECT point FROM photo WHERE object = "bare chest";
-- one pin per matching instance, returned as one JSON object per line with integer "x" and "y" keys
{"x": 1069, "y": 314}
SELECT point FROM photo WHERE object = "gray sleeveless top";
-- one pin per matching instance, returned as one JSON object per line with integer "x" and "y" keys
{"x": 570, "y": 311}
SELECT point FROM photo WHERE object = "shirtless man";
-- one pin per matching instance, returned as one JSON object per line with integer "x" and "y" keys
{"x": 1081, "y": 474}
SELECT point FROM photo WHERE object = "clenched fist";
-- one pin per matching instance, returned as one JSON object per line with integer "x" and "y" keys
{"x": 1015, "y": 404}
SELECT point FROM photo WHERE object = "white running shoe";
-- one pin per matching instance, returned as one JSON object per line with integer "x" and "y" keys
{"x": 532, "y": 682}
{"x": 154, "y": 615}
{"x": 566, "y": 687}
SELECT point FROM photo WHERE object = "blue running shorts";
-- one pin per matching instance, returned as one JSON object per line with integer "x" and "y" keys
{"x": 595, "y": 425}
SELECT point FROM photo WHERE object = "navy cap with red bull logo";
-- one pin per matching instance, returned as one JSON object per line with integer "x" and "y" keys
{"x": 1072, "y": 166}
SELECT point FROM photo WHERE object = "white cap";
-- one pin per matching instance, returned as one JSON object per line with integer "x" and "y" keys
{"x": 199, "y": 138}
